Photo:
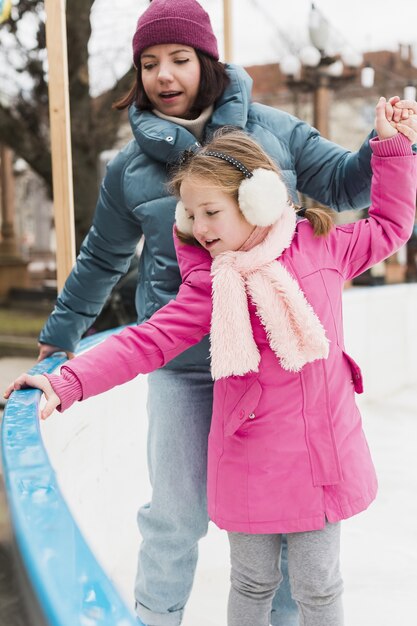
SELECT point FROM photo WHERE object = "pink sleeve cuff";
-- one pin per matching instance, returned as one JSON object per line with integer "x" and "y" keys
{"x": 67, "y": 387}
{"x": 396, "y": 146}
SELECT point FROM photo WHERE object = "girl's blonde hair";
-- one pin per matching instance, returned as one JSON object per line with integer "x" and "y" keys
{"x": 218, "y": 173}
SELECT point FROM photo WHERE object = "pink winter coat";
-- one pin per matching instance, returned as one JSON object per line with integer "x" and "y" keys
{"x": 286, "y": 450}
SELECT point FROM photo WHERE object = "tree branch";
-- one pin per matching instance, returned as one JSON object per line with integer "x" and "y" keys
{"x": 111, "y": 119}
{"x": 104, "y": 101}
{"x": 28, "y": 145}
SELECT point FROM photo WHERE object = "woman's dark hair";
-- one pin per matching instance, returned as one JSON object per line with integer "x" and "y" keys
{"x": 213, "y": 82}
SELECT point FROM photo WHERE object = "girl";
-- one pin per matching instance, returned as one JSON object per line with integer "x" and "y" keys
{"x": 181, "y": 95}
{"x": 287, "y": 453}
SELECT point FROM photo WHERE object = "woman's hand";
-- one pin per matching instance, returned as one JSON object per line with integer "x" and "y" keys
{"x": 46, "y": 350}
{"x": 37, "y": 381}
{"x": 403, "y": 109}
{"x": 405, "y": 118}
{"x": 409, "y": 128}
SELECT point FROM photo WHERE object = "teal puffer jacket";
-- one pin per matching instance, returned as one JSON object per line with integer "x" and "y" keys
{"x": 134, "y": 201}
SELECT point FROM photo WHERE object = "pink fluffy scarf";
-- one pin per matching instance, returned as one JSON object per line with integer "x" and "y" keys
{"x": 294, "y": 331}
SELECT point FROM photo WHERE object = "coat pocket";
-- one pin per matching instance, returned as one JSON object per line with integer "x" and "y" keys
{"x": 356, "y": 373}
{"x": 245, "y": 407}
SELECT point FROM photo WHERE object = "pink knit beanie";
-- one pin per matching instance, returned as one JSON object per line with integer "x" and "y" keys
{"x": 174, "y": 21}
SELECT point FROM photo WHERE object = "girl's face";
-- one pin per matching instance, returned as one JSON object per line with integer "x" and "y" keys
{"x": 171, "y": 78}
{"x": 218, "y": 225}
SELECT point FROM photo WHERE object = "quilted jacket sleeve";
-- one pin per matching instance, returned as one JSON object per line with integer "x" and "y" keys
{"x": 356, "y": 247}
{"x": 328, "y": 173}
{"x": 141, "y": 349}
{"x": 104, "y": 257}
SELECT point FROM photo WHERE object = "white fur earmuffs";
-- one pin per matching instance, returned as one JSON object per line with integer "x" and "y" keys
{"x": 262, "y": 196}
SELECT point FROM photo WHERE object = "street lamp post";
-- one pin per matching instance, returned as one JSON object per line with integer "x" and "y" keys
{"x": 315, "y": 71}
{"x": 321, "y": 105}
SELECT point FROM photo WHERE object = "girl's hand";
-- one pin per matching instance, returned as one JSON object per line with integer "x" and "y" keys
{"x": 383, "y": 119}
{"x": 390, "y": 110}
{"x": 39, "y": 382}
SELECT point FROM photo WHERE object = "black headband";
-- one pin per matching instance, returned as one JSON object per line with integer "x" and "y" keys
{"x": 191, "y": 152}
{"x": 226, "y": 157}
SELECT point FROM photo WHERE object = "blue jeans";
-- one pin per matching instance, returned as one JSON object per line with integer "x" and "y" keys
{"x": 179, "y": 409}
{"x": 284, "y": 609}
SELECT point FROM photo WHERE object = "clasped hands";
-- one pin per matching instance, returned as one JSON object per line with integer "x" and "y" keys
{"x": 396, "y": 115}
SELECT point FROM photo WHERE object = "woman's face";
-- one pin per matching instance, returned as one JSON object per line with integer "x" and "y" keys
{"x": 171, "y": 78}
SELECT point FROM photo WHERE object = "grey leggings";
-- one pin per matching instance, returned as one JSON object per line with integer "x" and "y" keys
{"x": 313, "y": 563}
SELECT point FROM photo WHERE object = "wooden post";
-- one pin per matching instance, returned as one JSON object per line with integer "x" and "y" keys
{"x": 227, "y": 31}
{"x": 59, "y": 115}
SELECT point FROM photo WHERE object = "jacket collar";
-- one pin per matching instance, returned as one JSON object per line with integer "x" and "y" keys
{"x": 164, "y": 141}
{"x": 233, "y": 107}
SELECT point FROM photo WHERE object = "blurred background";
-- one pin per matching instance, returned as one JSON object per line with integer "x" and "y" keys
{"x": 326, "y": 62}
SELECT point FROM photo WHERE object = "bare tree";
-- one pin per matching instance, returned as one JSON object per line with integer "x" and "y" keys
{"x": 24, "y": 124}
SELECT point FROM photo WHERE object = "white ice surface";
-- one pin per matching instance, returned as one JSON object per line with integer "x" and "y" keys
{"x": 99, "y": 451}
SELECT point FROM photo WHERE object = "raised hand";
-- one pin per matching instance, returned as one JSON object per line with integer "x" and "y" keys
{"x": 396, "y": 116}
{"x": 383, "y": 119}
{"x": 37, "y": 381}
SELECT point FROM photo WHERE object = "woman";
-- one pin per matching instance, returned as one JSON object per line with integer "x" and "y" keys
{"x": 182, "y": 94}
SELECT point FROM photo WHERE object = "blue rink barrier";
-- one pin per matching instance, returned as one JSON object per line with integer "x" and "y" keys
{"x": 66, "y": 582}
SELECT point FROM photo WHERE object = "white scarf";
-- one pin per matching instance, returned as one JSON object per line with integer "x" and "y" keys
{"x": 294, "y": 331}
